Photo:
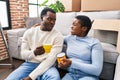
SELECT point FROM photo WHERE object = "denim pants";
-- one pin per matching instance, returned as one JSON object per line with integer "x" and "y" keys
{"x": 27, "y": 67}
{"x": 75, "y": 74}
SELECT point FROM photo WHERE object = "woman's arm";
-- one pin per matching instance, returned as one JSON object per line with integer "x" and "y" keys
{"x": 95, "y": 67}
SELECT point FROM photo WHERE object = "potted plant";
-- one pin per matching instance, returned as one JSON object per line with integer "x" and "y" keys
{"x": 57, "y": 6}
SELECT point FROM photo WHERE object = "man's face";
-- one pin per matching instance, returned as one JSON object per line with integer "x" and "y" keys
{"x": 48, "y": 21}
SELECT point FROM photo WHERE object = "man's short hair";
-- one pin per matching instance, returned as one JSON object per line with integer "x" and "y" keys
{"x": 45, "y": 10}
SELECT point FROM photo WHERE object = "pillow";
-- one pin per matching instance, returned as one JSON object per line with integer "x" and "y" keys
{"x": 110, "y": 53}
{"x": 31, "y": 21}
{"x": 64, "y": 22}
{"x": 108, "y": 47}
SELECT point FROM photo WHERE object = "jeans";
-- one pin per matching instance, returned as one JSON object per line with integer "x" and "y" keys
{"x": 27, "y": 67}
{"x": 75, "y": 74}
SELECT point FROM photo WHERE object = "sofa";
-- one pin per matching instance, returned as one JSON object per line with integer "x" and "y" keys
{"x": 64, "y": 21}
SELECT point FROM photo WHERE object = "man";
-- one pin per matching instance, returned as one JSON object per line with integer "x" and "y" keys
{"x": 39, "y": 65}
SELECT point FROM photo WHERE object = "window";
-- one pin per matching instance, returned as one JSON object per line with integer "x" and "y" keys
{"x": 5, "y": 14}
{"x": 34, "y": 9}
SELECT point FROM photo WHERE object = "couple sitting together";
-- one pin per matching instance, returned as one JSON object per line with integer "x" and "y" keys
{"x": 84, "y": 54}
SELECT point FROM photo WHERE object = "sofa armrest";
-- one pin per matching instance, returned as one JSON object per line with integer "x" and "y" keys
{"x": 14, "y": 37}
{"x": 117, "y": 70}
{"x": 16, "y": 32}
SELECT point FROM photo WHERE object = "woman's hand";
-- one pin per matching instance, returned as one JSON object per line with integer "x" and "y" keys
{"x": 39, "y": 50}
{"x": 27, "y": 78}
{"x": 64, "y": 63}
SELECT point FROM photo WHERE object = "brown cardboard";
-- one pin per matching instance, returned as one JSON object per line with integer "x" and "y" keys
{"x": 108, "y": 25}
{"x": 100, "y": 5}
{"x": 72, "y": 5}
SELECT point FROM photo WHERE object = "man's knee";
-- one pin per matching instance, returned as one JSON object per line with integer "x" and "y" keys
{"x": 52, "y": 74}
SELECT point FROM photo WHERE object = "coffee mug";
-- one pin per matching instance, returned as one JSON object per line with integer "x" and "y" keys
{"x": 47, "y": 47}
{"x": 61, "y": 56}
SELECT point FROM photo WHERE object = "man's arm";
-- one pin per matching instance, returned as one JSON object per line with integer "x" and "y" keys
{"x": 26, "y": 52}
{"x": 50, "y": 60}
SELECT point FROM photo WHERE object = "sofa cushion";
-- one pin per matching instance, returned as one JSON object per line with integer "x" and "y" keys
{"x": 31, "y": 21}
{"x": 101, "y": 14}
{"x": 110, "y": 53}
{"x": 108, "y": 47}
{"x": 64, "y": 22}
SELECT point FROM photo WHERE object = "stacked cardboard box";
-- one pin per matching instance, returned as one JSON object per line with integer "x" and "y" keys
{"x": 91, "y": 5}
{"x": 71, "y": 5}
{"x": 100, "y": 5}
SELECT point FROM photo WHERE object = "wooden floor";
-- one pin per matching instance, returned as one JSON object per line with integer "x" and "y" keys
{"x": 5, "y": 70}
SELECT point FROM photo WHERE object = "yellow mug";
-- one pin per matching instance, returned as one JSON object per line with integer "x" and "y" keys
{"x": 47, "y": 47}
{"x": 60, "y": 56}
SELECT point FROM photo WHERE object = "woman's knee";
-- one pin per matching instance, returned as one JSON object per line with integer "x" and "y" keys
{"x": 67, "y": 77}
{"x": 89, "y": 78}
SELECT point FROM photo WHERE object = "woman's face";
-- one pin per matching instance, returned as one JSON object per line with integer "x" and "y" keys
{"x": 48, "y": 21}
{"x": 76, "y": 28}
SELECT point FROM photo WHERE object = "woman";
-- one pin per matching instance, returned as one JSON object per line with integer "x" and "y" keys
{"x": 84, "y": 54}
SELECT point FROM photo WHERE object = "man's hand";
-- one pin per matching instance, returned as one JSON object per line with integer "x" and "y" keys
{"x": 64, "y": 63}
{"x": 27, "y": 78}
{"x": 39, "y": 50}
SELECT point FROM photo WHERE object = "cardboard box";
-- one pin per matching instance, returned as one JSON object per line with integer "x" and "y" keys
{"x": 105, "y": 28}
{"x": 72, "y": 5}
{"x": 100, "y": 5}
